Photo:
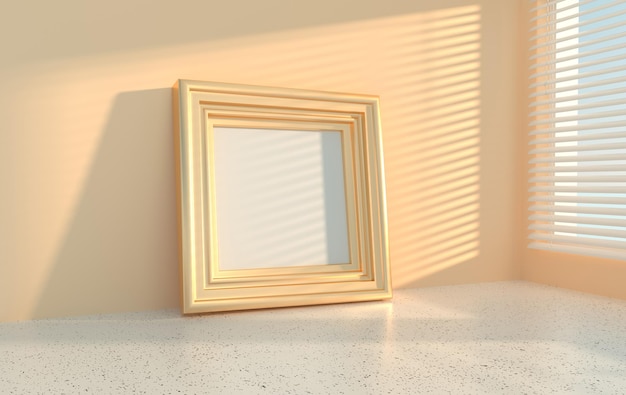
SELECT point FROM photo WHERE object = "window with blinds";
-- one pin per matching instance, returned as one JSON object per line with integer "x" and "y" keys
{"x": 578, "y": 127}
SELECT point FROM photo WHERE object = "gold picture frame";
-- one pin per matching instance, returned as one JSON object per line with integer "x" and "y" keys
{"x": 201, "y": 109}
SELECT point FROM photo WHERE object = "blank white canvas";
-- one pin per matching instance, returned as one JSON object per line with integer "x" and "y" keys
{"x": 280, "y": 198}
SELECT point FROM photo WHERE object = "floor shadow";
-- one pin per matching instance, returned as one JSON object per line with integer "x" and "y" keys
{"x": 120, "y": 247}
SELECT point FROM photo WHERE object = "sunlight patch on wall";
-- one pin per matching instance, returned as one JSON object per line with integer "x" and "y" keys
{"x": 433, "y": 159}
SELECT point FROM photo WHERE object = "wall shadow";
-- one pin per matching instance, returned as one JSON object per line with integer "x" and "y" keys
{"x": 82, "y": 28}
{"x": 121, "y": 232}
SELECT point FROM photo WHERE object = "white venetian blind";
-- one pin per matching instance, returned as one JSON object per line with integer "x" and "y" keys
{"x": 578, "y": 127}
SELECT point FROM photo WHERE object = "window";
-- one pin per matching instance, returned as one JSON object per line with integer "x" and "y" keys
{"x": 578, "y": 127}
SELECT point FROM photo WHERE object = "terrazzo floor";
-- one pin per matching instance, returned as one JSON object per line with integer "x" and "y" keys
{"x": 508, "y": 337}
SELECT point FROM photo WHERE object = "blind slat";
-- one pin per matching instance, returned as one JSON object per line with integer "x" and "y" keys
{"x": 590, "y": 146}
{"x": 579, "y": 199}
{"x": 578, "y": 169}
{"x": 578, "y": 107}
{"x": 582, "y": 230}
{"x": 577, "y": 128}
{"x": 573, "y": 240}
{"x": 577, "y": 219}
{"x": 579, "y": 189}
{"x": 576, "y": 138}
{"x": 579, "y": 250}
{"x": 593, "y": 115}
{"x": 578, "y": 158}
{"x": 568, "y": 178}
{"x": 619, "y": 212}
{"x": 577, "y": 97}
{"x": 542, "y": 4}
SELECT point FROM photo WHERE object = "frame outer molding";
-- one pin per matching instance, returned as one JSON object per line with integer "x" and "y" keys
{"x": 265, "y": 288}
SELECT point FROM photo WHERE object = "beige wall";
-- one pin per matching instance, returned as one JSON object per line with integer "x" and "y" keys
{"x": 86, "y": 157}
{"x": 587, "y": 274}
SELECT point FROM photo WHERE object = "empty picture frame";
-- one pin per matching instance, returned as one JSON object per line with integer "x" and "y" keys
{"x": 281, "y": 197}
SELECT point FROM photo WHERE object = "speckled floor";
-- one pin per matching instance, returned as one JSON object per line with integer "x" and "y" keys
{"x": 511, "y": 337}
